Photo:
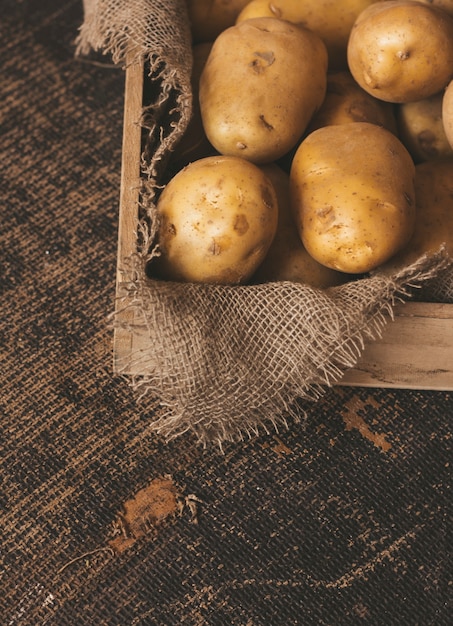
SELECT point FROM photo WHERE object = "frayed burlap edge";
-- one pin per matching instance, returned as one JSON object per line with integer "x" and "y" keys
{"x": 159, "y": 33}
{"x": 218, "y": 410}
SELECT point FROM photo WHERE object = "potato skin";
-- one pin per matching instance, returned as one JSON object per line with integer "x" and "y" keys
{"x": 217, "y": 218}
{"x": 347, "y": 102}
{"x": 401, "y": 50}
{"x": 331, "y": 20}
{"x": 433, "y": 216}
{"x": 421, "y": 129}
{"x": 447, "y": 113}
{"x": 352, "y": 195}
{"x": 263, "y": 81}
{"x": 287, "y": 258}
{"x": 208, "y": 18}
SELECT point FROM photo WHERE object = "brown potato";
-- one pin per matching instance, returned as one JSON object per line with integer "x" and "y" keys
{"x": 332, "y": 21}
{"x": 434, "y": 213}
{"x": 352, "y": 195}
{"x": 287, "y": 258}
{"x": 263, "y": 81}
{"x": 402, "y": 50}
{"x": 447, "y": 113}
{"x": 421, "y": 129}
{"x": 347, "y": 102}
{"x": 216, "y": 219}
{"x": 208, "y": 18}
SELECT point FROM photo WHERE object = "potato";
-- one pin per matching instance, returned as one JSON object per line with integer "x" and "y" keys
{"x": 194, "y": 144}
{"x": 332, "y": 21}
{"x": 402, "y": 50}
{"x": 262, "y": 82}
{"x": 208, "y": 18}
{"x": 447, "y": 113}
{"x": 445, "y": 5}
{"x": 352, "y": 195}
{"x": 217, "y": 218}
{"x": 347, "y": 102}
{"x": 434, "y": 213}
{"x": 421, "y": 129}
{"x": 287, "y": 258}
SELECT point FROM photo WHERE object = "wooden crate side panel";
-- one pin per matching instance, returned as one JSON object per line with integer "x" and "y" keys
{"x": 129, "y": 198}
{"x": 415, "y": 352}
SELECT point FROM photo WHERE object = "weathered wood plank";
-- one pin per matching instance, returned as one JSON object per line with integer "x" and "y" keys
{"x": 415, "y": 352}
{"x": 129, "y": 197}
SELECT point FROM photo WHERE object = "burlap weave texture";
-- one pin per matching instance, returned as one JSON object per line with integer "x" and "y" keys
{"x": 227, "y": 360}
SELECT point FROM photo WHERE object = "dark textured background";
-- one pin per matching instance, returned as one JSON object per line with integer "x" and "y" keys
{"x": 328, "y": 523}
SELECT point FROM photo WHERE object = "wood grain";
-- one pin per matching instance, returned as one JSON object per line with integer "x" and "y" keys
{"x": 129, "y": 199}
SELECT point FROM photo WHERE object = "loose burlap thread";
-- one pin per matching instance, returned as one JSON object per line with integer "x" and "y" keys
{"x": 227, "y": 361}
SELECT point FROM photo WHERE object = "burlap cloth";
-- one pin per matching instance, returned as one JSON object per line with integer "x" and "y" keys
{"x": 224, "y": 361}
{"x": 339, "y": 520}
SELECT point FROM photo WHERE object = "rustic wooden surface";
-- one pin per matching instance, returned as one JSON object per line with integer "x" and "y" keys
{"x": 129, "y": 198}
{"x": 415, "y": 351}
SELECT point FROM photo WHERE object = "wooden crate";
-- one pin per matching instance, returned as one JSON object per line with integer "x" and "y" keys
{"x": 415, "y": 352}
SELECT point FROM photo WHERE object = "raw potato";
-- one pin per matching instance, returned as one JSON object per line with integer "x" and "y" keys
{"x": 287, "y": 258}
{"x": 347, "y": 102}
{"x": 434, "y": 213}
{"x": 217, "y": 218}
{"x": 446, "y": 5}
{"x": 208, "y": 18}
{"x": 447, "y": 113}
{"x": 421, "y": 129}
{"x": 402, "y": 50}
{"x": 352, "y": 195}
{"x": 262, "y": 83}
{"x": 331, "y": 20}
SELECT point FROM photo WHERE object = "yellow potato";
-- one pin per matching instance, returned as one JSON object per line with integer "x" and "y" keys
{"x": 347, "y": 102}
{"x": 287, "y": 258}
{"x": 402, "y": 50}
{"x": 447, "y": 113}
{"x": 434, "y": 213}
{"x": 331, "y": 20}
{"x": 421, "y": 129}
{"x": 208, "y": 18}
{"x": 217, "y": 218}
{"x": 263, "y": 81}
{"x": 445, "y": 5}
{"x": 352, "y": 195}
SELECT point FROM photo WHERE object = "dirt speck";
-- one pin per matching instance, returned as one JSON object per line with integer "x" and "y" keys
{"x": 353, "y": 419}
{"x": 146, "y": 512}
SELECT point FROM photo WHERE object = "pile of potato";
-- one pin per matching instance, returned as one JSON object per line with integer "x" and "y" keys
{"x": 321, "y": 142}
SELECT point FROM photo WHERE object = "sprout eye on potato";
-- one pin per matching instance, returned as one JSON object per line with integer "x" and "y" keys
{"x": 217, "y": 218}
